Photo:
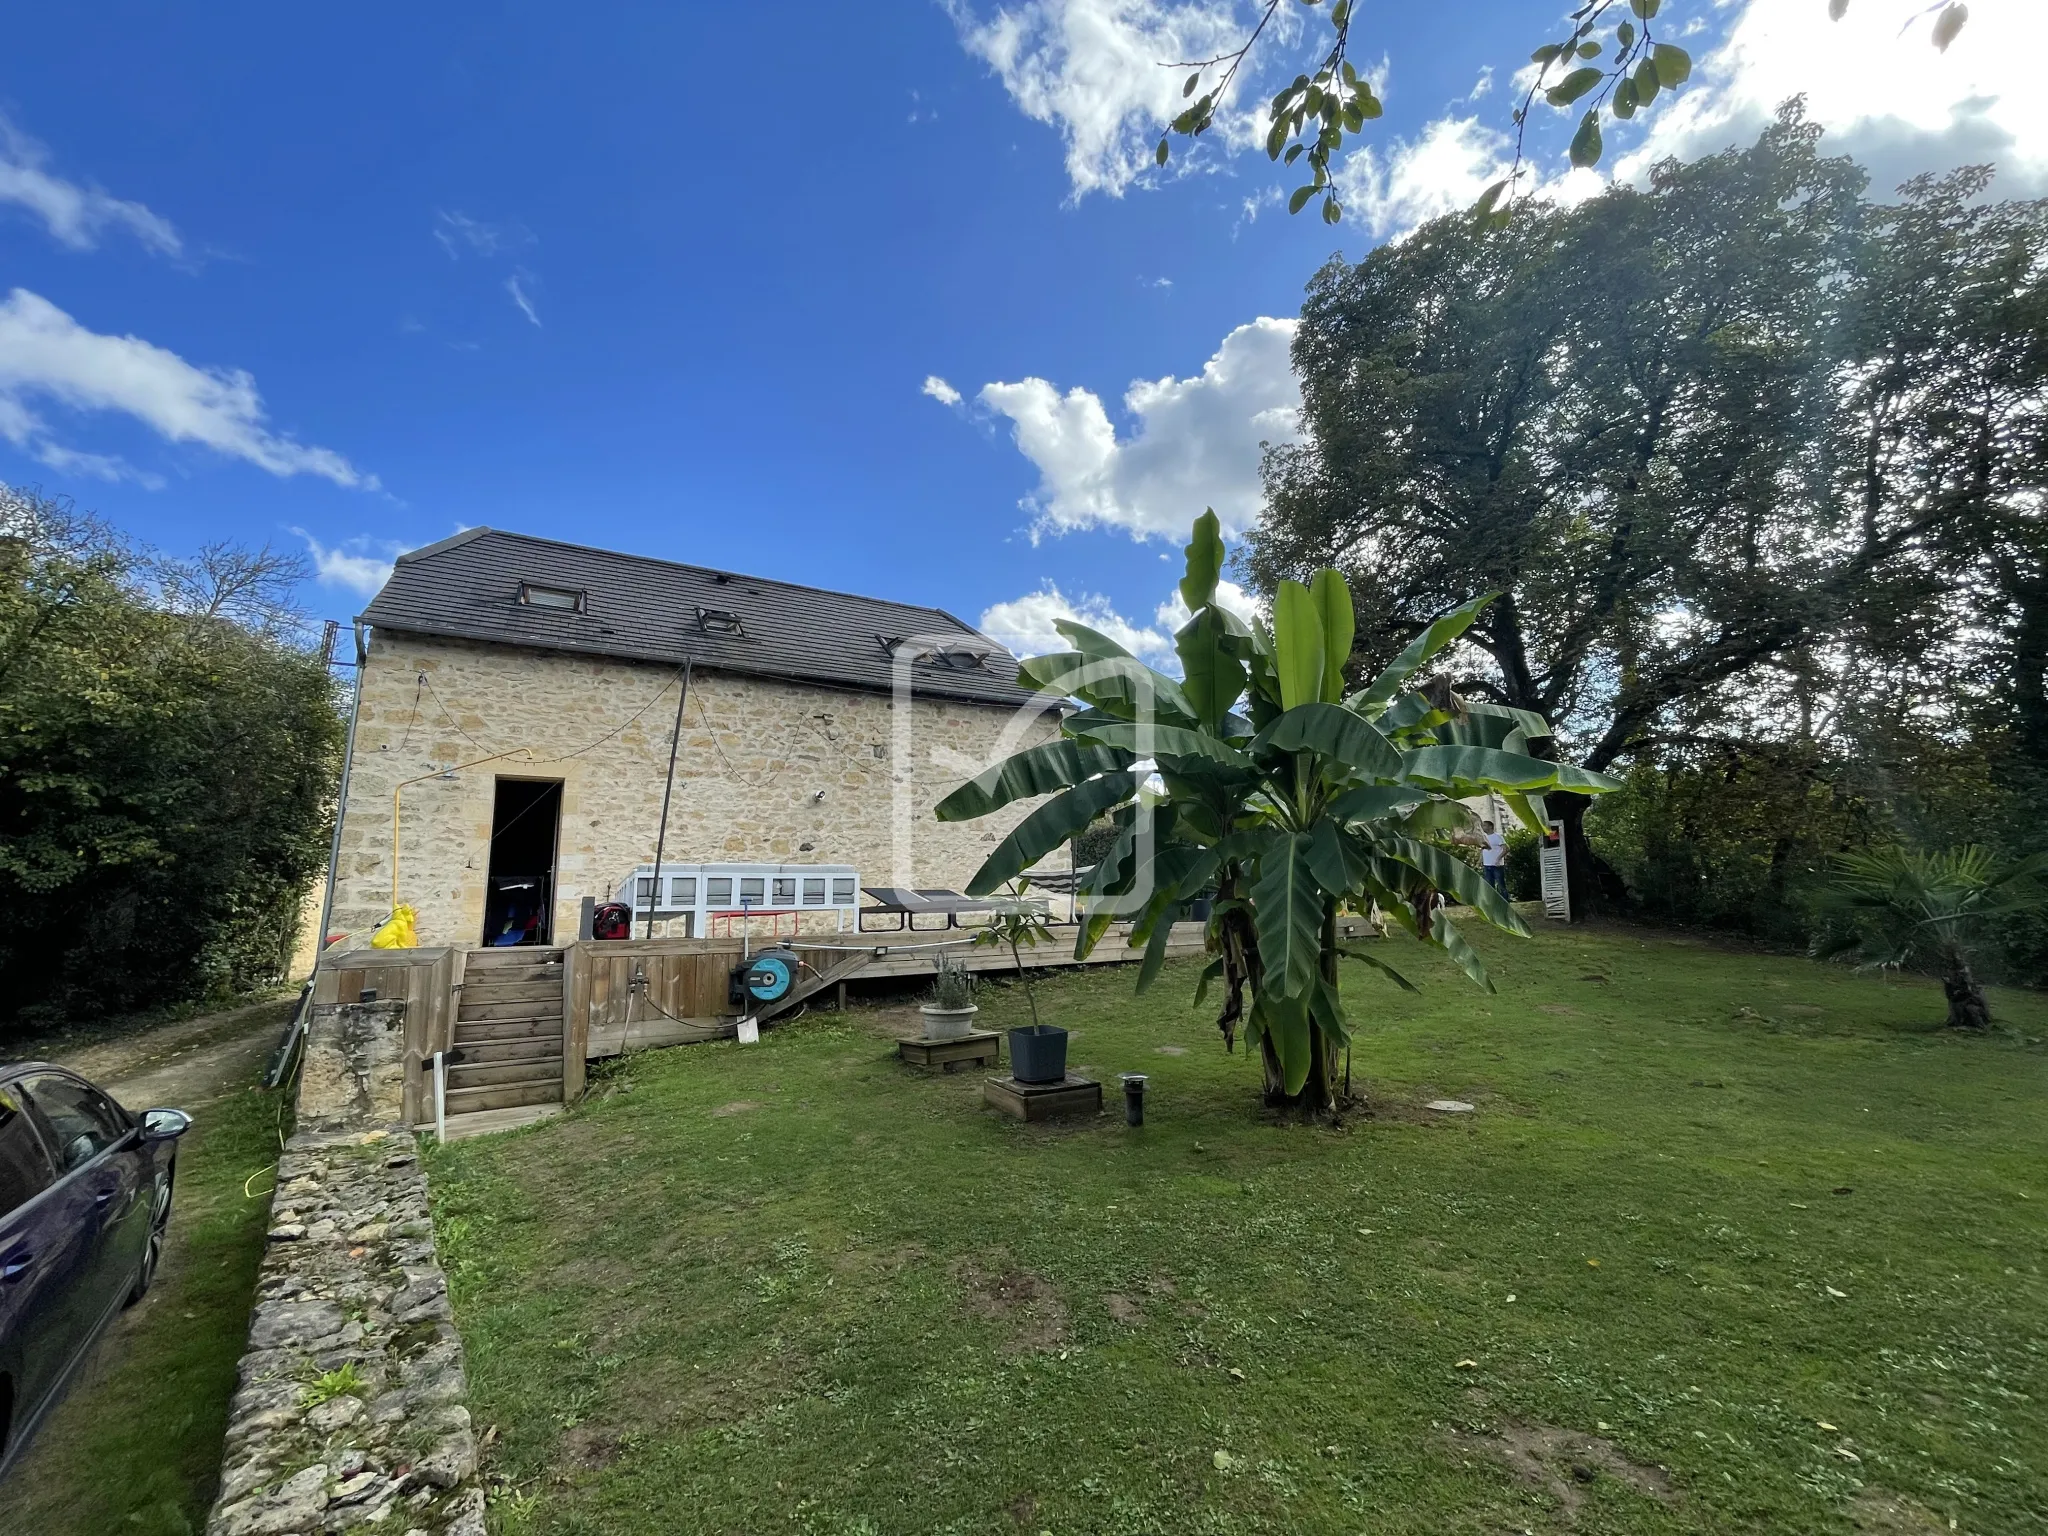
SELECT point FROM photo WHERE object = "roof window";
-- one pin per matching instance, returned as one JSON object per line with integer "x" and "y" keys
{"x": 720, "y": 621}
{"x": 565, "y": 599}
{"x": 953, "y": 657}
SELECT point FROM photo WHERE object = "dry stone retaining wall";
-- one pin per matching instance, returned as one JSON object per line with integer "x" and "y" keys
{"x": 350, "y": 1412}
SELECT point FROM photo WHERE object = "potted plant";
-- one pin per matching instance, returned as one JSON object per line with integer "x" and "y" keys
{"x": 1038, "y": 1052}
{"x": 950, "y": 1013}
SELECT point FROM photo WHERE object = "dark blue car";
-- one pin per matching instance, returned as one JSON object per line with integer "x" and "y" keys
{"x": 85, "y": 1197}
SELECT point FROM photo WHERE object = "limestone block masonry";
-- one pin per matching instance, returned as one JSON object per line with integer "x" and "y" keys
{"x": 766, "y": 771}
{"x": 354, "y": 1073}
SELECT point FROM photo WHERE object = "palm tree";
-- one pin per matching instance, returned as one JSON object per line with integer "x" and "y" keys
{"x": 1256, "y": 775}
{"x": 1910, "y": 907}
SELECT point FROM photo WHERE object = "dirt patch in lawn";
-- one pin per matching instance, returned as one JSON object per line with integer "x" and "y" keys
{"x": 736, "y": 1107}
{"x": 1123, "y": 1309}
{"x": 591, "y": 1447}
{"x": 1565, "y": 1463}
{"x": 1026, "y": 1302}
{"x": 1875, "y": 1512}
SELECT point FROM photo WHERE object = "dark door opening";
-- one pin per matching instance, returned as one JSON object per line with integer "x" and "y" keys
{"x": 519, "y": 891}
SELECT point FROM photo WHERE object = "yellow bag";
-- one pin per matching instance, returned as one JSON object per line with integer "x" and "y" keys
{"x": 398, "y": 931}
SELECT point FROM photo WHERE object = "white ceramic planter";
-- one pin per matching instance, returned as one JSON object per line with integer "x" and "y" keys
{"x": 948, "y": 1023}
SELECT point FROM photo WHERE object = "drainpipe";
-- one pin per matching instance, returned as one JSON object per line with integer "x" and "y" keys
{"x": 348, "y": 759}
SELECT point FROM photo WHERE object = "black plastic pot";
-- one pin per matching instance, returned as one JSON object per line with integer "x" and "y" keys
{"x": 1038, "y": 1053}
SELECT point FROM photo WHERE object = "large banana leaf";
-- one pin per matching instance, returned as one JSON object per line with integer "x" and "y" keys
{"x": 1049, "y": 826}
{"x": 1092, "y": 643}
{"x": 1412, "y": 714}
{"x": 1479, "y": 766}
{"x": 1375, "y": 802}
{"x": 1212, "y": 666}
{"x": 1437, "y": 816}
{"x": 1117, "y": 684}
{"x": 1339, "y": 624}
{"x": 1037, "y": 771}
{"x": 1457, "y": 877}
{"x": 1327, "y": 1009}
{"x": 1495, "y": 725}
{"x": 1454, "y": 945}
{"x": 1165, "y": 741}
{"x": 1284, "y": 1021}
{"x": 1297, "y": 645}
{"x": 1205, "y": 562}
{"x": 1262, "y": 695}
{"x": 1381, "y": 966}
{"x": 1334, "y": 732}
{"x": 1336, "y": 858}
{"x": 1288, "y": 908}
{"x": 1439, "y": 634}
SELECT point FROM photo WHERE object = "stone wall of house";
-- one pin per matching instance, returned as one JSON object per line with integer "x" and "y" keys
{"x": 766, "y": 772}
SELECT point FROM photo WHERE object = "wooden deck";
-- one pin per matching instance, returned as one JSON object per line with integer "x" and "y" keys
{"x": 635, "y": 993}
{"x": 621, "y": 995}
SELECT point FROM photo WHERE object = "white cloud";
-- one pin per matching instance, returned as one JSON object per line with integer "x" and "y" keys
{"x": 460, "y": 235}
{"x": 516, "y": 285}
{"x": 1093, "y": 70}
{"x": 46, "y": 354}
{"x": 1196, "y": 442}
{"x": 1877, "y": 85}
{"x": 940, "y": 390}
{"x": 362, "y": 565}
{"x": 1441, "y": 170}
{"x": 75, "y": 215}
{"x": 1025, "y": 624}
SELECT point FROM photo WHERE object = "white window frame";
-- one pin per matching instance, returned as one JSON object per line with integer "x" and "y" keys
{"x": 839, "y": 883}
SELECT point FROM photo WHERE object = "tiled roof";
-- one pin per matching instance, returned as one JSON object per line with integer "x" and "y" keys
{"x": 469, "y": 587}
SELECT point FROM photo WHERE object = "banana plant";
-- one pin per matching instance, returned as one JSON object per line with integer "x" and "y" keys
{"x": 1258, "y": 776}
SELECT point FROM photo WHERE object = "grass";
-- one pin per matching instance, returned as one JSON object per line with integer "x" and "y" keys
{"x": 1753, "y": 1221}
{"x": 135, "y": 1447}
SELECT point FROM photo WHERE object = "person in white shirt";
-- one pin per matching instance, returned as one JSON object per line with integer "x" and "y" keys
{"x": 1493, "y": 857}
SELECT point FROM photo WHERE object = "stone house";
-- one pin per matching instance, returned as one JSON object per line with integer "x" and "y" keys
{"x": 518, "y": 704}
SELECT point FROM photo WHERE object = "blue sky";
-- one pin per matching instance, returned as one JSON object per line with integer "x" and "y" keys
{"x": 348, "y": 280}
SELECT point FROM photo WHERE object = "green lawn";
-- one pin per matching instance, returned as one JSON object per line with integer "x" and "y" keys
{"x": 135, "y": 1446}
{"x": 1737, "y": 1216}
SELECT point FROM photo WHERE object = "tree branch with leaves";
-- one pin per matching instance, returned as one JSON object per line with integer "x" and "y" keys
{"x": 1611, "y": 56}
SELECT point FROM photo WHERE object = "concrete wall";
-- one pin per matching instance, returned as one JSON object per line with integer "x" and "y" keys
{"x": 754, "y": 758}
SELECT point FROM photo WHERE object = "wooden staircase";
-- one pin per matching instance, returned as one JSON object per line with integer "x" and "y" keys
{"x": 508, "y": 1031}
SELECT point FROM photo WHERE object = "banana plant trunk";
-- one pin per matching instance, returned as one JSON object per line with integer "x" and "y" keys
{"x": 1319, "y": 1093}
{"x": 1967, "y": 1007}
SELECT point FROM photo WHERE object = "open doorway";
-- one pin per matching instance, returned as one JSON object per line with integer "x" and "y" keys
{"x": 519, "y": 891}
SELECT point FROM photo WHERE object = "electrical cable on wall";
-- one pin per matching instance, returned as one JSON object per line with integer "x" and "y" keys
{"x": 445, "y": 715}
{"x": 418, "y": 687}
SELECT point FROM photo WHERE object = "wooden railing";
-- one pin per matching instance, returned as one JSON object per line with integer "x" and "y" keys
{"x": 425, "y": 979}
{"x": 624, "y": 994}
